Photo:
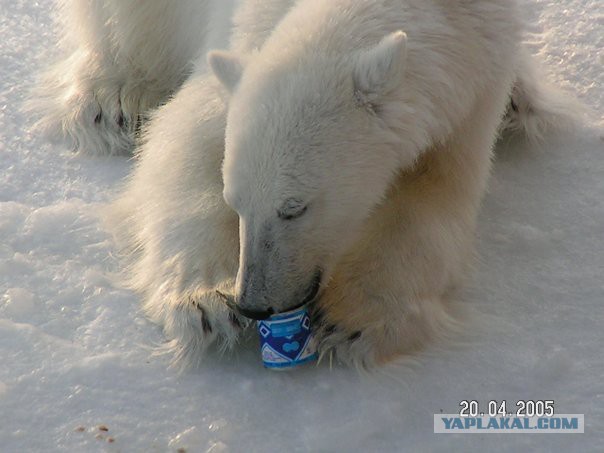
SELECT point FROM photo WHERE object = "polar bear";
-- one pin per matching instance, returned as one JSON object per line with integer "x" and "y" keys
{"x": 335, "y": 155}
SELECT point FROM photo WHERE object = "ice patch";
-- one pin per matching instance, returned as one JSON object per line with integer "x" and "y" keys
{"x": 187, "y": 439}
{"x": 554, "y": 366}
{"x": 525, "y": 235}
{"x": 12, "y": 216}
{"x": 19, "y": 304}
{"x": 53, "y": 229}
{"x": 218, "y": 447}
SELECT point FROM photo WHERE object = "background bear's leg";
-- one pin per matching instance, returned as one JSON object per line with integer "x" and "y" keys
{"x": 385, "y": 298}
{"x": 125, "y": 57}
{"x": 538, "y": 108}
{"x": 171, "y": 219}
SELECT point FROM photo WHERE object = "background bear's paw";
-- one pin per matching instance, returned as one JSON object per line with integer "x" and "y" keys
{"x": 90, "y": 105}
{"x": 88, "y": 122}
{"x": 112, "y": 130}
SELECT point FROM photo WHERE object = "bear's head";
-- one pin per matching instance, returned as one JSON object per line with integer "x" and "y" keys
{"x": 309, "y": 153}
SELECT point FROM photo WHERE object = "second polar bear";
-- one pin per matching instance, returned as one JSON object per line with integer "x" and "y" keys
{"x": 356, "y": 138}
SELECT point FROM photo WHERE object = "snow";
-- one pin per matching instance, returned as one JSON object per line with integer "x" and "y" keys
{"x": 77, "y": 353}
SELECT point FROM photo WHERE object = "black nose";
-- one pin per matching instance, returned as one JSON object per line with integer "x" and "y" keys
{"x": 255, "y": 314}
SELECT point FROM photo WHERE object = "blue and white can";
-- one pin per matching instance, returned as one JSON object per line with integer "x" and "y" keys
{"x": 286, "y": 340}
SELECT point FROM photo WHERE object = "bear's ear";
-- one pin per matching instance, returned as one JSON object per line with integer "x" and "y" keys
{"x": 227, "y": 67}
{"x": 380, "y": 68}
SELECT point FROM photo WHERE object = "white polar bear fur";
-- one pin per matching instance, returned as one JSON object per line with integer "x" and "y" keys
{"x": 410, "y": 188}
{"x": 125, "y": 58}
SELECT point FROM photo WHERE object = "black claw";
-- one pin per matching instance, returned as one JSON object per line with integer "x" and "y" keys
{"x": 98, "y": 117}
{"x": 331, "y": 328}
{"x": 228, "y": 300}
{"x": 355, "y": 336}
{"x": 514, "y": 105}
{"x": 138, "y": 125}
{"x": 205, "y": 323}
{"x": 234, "y": 320}
{"x": 121, "y": 121}
{"x": 316, "y": 316}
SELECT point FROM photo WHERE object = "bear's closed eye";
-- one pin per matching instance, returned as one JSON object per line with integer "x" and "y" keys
{"x": 292, "y": 209}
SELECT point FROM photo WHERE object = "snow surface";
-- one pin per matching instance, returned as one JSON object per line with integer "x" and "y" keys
{"x": 75, "y": 350}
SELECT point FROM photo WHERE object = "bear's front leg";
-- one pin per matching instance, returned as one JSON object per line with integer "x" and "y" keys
{"x": 386, "y": 296}
{"x": 182, "y": 239}
{"x": 366, "y": 329}
{"x": 195, "y": 322}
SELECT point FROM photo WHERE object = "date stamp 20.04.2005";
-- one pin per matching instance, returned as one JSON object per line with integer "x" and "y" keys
{"x": 523, "y": 416}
